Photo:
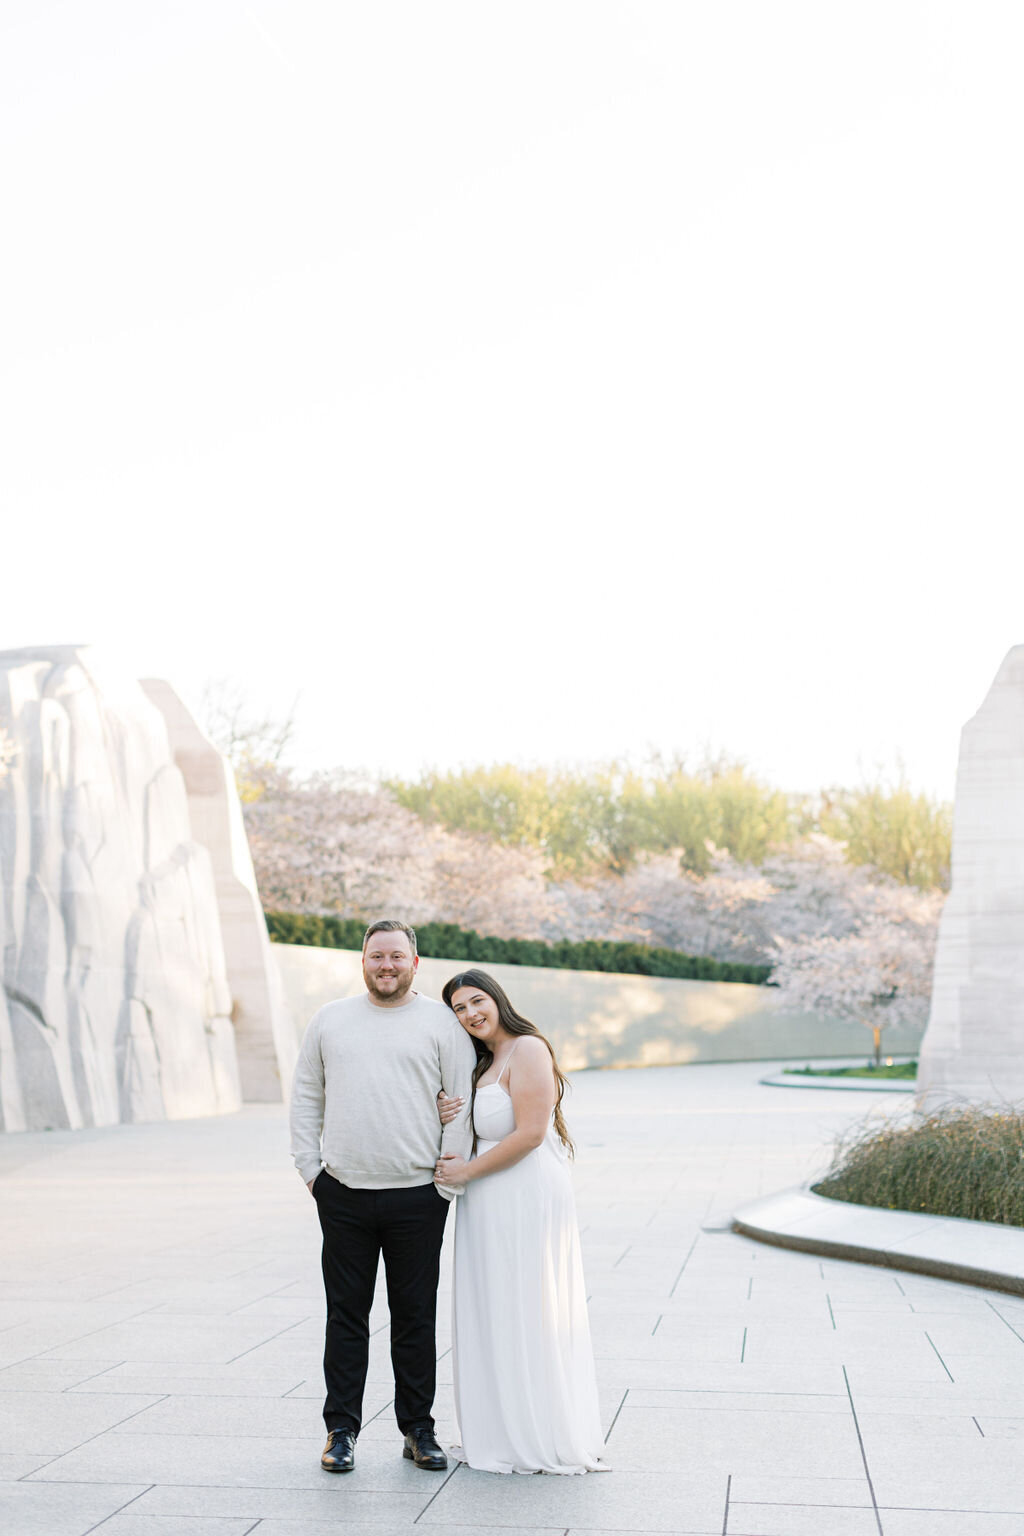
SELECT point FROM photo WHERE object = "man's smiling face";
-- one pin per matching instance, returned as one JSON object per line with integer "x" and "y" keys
{"x": 389, "y": 967}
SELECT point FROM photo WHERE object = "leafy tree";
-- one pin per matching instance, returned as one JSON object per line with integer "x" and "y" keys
{"x": 603, "y": 818}
{"x": 904, "y": 835}
{"x": 720, "y": 805}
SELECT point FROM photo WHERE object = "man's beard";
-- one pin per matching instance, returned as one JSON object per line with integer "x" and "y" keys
{"x": 391, "y": 994}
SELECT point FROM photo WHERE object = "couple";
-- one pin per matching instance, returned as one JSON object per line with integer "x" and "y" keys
{"x": 399, "y": 1104}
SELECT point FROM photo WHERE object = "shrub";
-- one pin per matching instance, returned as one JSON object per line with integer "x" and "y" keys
{"x": 446, "y": 941}
{"x": 605, "y": 817}
{"x": 965, "y": 1161}
{"x": 602, "y": 818}
{"x": 906, "y": 836}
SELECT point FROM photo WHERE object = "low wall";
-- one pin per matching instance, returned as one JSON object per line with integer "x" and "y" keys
{"x": 594, "y": 1019}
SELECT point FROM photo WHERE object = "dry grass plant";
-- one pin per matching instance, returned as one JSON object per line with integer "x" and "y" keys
{"x": 962, "y": 1160}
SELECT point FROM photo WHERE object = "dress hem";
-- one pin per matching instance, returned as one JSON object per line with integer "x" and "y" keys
{"x": 575, "y": 1470}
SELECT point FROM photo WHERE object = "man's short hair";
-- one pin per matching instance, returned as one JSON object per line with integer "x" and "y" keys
{"x": 390, "y": 925}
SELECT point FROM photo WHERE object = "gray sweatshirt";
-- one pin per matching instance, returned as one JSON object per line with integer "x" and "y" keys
{"x": 364, "y": 1096}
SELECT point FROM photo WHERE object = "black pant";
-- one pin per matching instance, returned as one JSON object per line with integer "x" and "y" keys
{"x": 407, "y": 1226}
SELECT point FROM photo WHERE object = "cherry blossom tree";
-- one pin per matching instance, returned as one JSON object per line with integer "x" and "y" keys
{"x": 736, "y": 911}
{"x": 330, "y": 845}
{"x": 879, "y": 973}
{"x": 841, "y": 938}
{"x": 333, "y": 845}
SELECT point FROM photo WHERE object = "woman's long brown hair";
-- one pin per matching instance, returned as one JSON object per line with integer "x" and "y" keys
{"x": 515, "y": 1024}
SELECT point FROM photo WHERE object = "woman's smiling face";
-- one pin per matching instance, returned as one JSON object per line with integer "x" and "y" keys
{"x": 478, "y": 1014}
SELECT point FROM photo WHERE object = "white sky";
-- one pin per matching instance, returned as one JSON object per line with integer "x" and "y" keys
{"x": 535, "y": 381}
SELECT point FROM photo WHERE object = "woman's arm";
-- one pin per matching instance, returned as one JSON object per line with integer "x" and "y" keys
{"x": 531, "y": 1085}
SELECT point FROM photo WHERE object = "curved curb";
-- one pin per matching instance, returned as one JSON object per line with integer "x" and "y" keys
{"x": 981, "y": 1253}
{"x": 844, "y": 1084}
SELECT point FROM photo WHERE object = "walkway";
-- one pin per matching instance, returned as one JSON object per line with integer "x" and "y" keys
{"x": 161, "y": 1326}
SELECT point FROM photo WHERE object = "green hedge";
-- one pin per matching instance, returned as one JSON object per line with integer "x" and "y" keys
{"x": 445, "y": 941}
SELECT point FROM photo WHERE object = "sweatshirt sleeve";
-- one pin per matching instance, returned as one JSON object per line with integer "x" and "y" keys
{"x": 308, "y": 1100}
{"x": 458, "y": 1059}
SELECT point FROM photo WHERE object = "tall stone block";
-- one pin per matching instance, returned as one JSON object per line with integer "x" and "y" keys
{"x": 264, "y": 1034}
{"x": 115, "y": 1002}
{"x": 974, "y": 1044}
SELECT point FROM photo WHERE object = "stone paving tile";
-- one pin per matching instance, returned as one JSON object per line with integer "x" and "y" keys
{"x": 706, "y": 1376}
{"x": 637, "y": 1501}
{"x": 61, "y": 1291}
{"x": 338, "y": 1501}
{"x": 34, "y": 1509}
{"x": 981, "y": 1335}
{"x": 287, "y": 1308}
{"x": 757, "y": 1402}
{"x": 50, "y": 1423}
{"x": 169, "y": 1337}
{"x": 678, "y": 1530}
{"x": 223, "y": 1296}
{"x": 973, "y": 1335}
{"x": 807, "y": 1307}
{"x": 921, "y": 1471}
{"x": 193, "y": 1379}
{"x": 798, "y": 1520}
{"x": 1007, "y": 1428}
{"x": 914, "y": 1358}
{"x": 818, "y": 1492}
{"x": 170, "y": 1525}
{"x": 275, "y": 1527}
{"x": 51, "y": 1375}
{"x": 14, "y": 1466}
{"x": 628, "y": 1312}
{"x": 239, "y": 1460}
{"x": 897, "y": 1305}
{"x": 303, "y": 1352}
{"x": 935, "y": 1424}
{"x": 951, "y": 1522}
{"x": 727, "y": 1440}
{"x": 312, "y": 1388}
{"x": 692, "y": 1344}
{"x": 986, "y": 1373}
{"x": 702, "y": 1337}
{"x": 887, "y": 1379}
{"x": 942, "y": 1401}
{"x": 58, "y": 1337}
{"x": 287, "y": 1418}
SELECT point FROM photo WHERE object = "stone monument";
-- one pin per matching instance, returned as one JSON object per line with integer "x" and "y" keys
{"x": 264, "y": 1036}
{"x": 117, "y": 997}
{"x": 973, "y": 1047}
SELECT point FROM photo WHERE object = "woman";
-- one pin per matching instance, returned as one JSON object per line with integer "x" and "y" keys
{"x": 525, "y": 1392}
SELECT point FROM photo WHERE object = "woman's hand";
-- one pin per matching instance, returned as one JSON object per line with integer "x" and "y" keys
{"x": 448, "y": 1108}
{"x": 452, "y": 1171}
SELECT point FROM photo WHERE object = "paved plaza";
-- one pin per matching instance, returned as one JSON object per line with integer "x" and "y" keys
{"x": 161, "y": 1321}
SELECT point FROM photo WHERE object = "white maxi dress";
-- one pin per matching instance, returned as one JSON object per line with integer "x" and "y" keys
{"x": 525, "y": 1389}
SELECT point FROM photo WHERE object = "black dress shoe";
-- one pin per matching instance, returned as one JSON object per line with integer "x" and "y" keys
{"x": 421, "y": 1447}
{"x": 340, "y": 1451}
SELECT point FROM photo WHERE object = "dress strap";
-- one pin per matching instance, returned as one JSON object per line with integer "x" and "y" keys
{"x": 508, "y": 1058}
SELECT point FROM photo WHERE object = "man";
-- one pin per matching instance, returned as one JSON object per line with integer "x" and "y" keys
{"x": 366, "y": 1137}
